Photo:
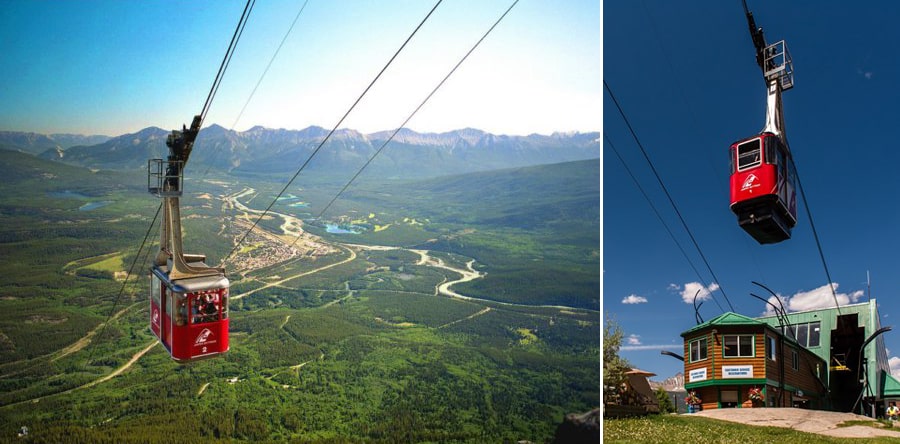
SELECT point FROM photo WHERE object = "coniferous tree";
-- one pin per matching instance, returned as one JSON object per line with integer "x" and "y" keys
{"x": 614, "y": 366}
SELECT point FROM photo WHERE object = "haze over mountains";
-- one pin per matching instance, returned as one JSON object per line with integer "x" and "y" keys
{"x": 35, "y": 143}
{"x": 409, "y": 154}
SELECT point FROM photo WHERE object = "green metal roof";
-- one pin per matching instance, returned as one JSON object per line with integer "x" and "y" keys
{"x": 890, "y": 386}
{"x": 728, "y": 318}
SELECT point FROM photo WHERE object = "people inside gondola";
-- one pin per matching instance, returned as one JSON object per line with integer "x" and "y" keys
{"x": 181, "y": 312}
{"x": 205, "y": 308}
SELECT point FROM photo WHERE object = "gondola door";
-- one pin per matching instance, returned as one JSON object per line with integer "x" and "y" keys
{"x": 166, "y": 337}
{"x": 156, "y": 307}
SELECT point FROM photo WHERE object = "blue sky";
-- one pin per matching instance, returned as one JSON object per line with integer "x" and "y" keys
{"x": 686, "y": 77}
{"x": 117, "y": 66}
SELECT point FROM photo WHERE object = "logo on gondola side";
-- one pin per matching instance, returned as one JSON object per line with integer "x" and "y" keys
{"x": 155, "y": 317}
{"x": 204, "y": 337}
{"x": 750, "y": 182}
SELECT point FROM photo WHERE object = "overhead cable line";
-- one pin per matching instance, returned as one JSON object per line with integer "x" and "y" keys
{"x": 248, "y": 7}
{"x": 816, "y": 236}
{"x": 668, "y": 195}
{"x": 402, "y": 125}
{"x": 658, "y": 216}
{"x": 328, "y": 136}
{"x": 226, "y": 60}
{"x": 692, "y": 113}
{"x": 258, "y": 82}
{"x": 125, "y": 281}
{"x": 269, "y": 65}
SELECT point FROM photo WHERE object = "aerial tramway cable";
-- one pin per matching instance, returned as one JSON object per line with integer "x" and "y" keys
{"x": 212, "y": 92}
{"x": 328, "y": 136}
{"x": 762, "y": 51}
{"x": 258, "y": 82}
{"x": 125, "y": 281}
{"x": 226, "y": 60}
{"x": 668, "y": 195}
{"x": 659, "y": 216}
{"x": 812, "y": 225}
{"x": 402, "y": 125}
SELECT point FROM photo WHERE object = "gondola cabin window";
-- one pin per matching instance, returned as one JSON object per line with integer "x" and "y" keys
{"x": 748, "y": 154}
{"x": 205, "y": 307}
{"x": 738, "y": 346}
{"x": 193, "y": 315}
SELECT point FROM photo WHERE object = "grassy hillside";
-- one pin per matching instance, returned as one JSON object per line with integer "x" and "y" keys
{"x": 679, "y": 429}
{"x": 534, "y": 230}
{"x": 361, "y": 351}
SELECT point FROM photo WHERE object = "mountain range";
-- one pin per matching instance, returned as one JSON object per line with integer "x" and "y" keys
{"x": 35, "y": 143}
{"x": 264, "y": 150}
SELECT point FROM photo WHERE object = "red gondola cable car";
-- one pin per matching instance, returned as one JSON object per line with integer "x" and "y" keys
{"x": 762, "y": 188}
{"x": 188, "y": 299}
{"x": 763, "y": 176}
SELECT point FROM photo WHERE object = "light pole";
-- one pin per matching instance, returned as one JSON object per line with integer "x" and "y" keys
{"x": 674, "y": 355}
{"x": 865, "y": 381}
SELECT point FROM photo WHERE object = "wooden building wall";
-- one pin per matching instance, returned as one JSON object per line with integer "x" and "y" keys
{"x": 804, "y": 378}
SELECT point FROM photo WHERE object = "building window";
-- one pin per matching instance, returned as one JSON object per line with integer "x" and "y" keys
{"x": 698, "y": 350}
{"x": 738, "y": 346}
{"x": 795, "y": 360}
{"x": 814, "y": 328}
{"x": 770, "y": 348}
{"x": 806, "y": 334}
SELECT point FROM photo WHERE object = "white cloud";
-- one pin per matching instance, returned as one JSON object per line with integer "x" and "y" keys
{"x": 814, "y": 299}
{"x": 634, "y": 299}
{"x": 894, "y": 362}
{"x": 634, "y": 339}
{"x": 691, "y": 288}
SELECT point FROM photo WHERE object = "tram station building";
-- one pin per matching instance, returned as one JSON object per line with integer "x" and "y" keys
{"x": 828, "y": 359}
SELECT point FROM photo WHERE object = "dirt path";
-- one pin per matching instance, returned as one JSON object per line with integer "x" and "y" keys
{"x": 300, "y": 365}
{"x": 86, "y": 340}
{"x": 101, "y": 380}
{"x": 810, "y": 421}
{"x": 202, "y": 389}
{"x": 121, "y": 369}
{"x": 473, "y": 315}
{"x": 78, "y": 345}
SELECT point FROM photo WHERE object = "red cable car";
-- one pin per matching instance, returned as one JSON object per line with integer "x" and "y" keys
{"x": 188, "y": 299}
{"x": 763, "y": 175}
{"x": 763, "y": 195}
{"x": 189, "y": 316}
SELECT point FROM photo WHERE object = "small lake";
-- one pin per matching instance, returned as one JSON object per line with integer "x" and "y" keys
{"x": 346, "y": 229}
{"x": 69, "y": 194}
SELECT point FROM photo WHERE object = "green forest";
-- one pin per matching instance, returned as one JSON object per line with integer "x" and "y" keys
{"x": 361, "y": 347}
